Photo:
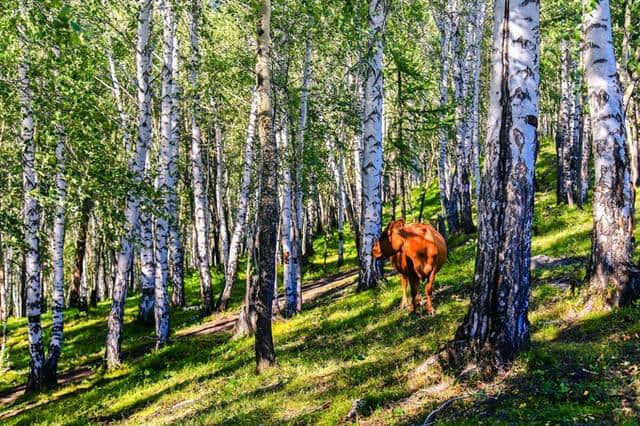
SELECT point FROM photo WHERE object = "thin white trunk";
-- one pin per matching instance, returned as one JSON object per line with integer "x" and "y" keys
{"x": 447, "y": 29}
{"x": 147, "y": 260}
{"x": 299, "y": 195}
{"x": 137, "y": 165}
{"x": 476, "y": 55}
{"x": 165, "y": 181}
{"x": 220, "y": 191}
{"x": 57, "y": 260}
{"x": 286, "y": 209}
{"x": 370, "y": 270}
{"x": 117, "y": 95}
{"x": 243, "y": 204}
{"x": 200, "y": 200}
{"x": 175, "y": 242}
{"x": 31, "y": 214}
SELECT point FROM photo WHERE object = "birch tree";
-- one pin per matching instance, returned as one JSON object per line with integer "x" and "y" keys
{"x": 243, "y": 207}
{"x": 147, "y": 259}
{"x": 370, "y": 269}
{"x": 611, "y": 281}
{"x": 30, "y": 209}
{"x": 496, "y": 327}
{"x": 299, "y": 195}
{"x": 57, "y": 260}
{"x": 137, "y": 165}
{"x": 175, "y": 244}
{"x": 268, "y": 202}
{"x": 165, "y": 182}
{"x": 287, "y": 214}
{"x": 200, "y": 201}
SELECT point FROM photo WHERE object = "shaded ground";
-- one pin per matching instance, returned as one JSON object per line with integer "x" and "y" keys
{"x": 352, "y": 357}
{"x": 331, "y": 284}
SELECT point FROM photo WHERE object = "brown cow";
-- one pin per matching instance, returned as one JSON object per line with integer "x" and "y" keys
{"x": 418, "y": 252}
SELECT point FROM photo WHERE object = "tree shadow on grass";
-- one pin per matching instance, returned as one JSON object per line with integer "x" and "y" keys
{"x": 589, "y": 374}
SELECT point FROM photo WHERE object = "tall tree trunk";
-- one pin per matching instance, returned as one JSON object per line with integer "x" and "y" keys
{"x": 268, "y": 202}
{"x": 76, "y": 299}
{"x": 496, "y": 327}
{"x": 200, "y": 201}
{"x": 609, "y": 275}
{"x": 175, "y": 241}
{"x": 461, "y": 80}
{"x": 243, "y": 207}
{"x": 57, "y": 259}
{"x": 137, "y": 166}
{"x": 370, "y": 268}
{"x": 288, "y": 225}
{"x": 480, "y": 8}
{"x": 630, "y": 124}
{"x": 299, "y": 194}
{"x": 31, "y": 214}
{"x": 147, "y": 260}
{"x": 448, "y": 204}
{"x": 220, "y": 192}
{"x": 246, "y": 324}
{"x": 165, "y": 182}
{"x": 585, "y": 155}
{"x": 564, "y": 142}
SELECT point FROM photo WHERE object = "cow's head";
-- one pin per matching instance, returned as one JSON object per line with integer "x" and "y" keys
{"x": 390, "y": 241}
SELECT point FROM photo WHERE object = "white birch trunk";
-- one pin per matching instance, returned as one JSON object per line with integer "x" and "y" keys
{"x": 443, "y": 167}
{"x": 476, "y": 55}
{"x": 57, "y": 260}
{"x": 496, "y": 327}
{"x": 147, "y": 261}
{"x": 220, "y": 191}
{"x": 117, "y": 95}
{"x": 200, "y": 200}
{"x": 370, "y": 270}
{"x": 243, "y": 206}
{"x": 175, "y": 243}
{"x": 612, "y": 248}
{"x": 165, "y": 182}
{"x": 286, "y": 211}
{"x": 299, "y": 195}
{"x": 137, "y": 165}
{"x": 31, "y": 214}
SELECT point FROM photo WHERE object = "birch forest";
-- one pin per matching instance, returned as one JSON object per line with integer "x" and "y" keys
{"x": 262, "y": 212}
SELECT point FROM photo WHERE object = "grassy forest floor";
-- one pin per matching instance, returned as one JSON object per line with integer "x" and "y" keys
{"x": 349, "y": 346}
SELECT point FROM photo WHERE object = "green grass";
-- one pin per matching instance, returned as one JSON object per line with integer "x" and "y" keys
{"x": 348, "y": 346}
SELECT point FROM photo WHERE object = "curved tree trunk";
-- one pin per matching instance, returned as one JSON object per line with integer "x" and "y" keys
{"x": 610, "y": 278}
{"x": 370, "y": 268}
{"x": 137, "y": 165}
{"x": 268, "y": 201}
{"x": 243, "y": 207}
{"x": 496, "y": 327}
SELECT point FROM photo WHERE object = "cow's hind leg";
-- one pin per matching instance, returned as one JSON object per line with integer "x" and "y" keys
{"x": 428, "y": 290}
{"x": 406, "y": 304}
{"x": 415, "y": 293}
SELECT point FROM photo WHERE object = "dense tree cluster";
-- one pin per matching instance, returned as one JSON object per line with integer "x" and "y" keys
{"x": 145, "y": 141}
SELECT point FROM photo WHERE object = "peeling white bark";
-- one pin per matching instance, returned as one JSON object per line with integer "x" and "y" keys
{"x": 370, "y": 270}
